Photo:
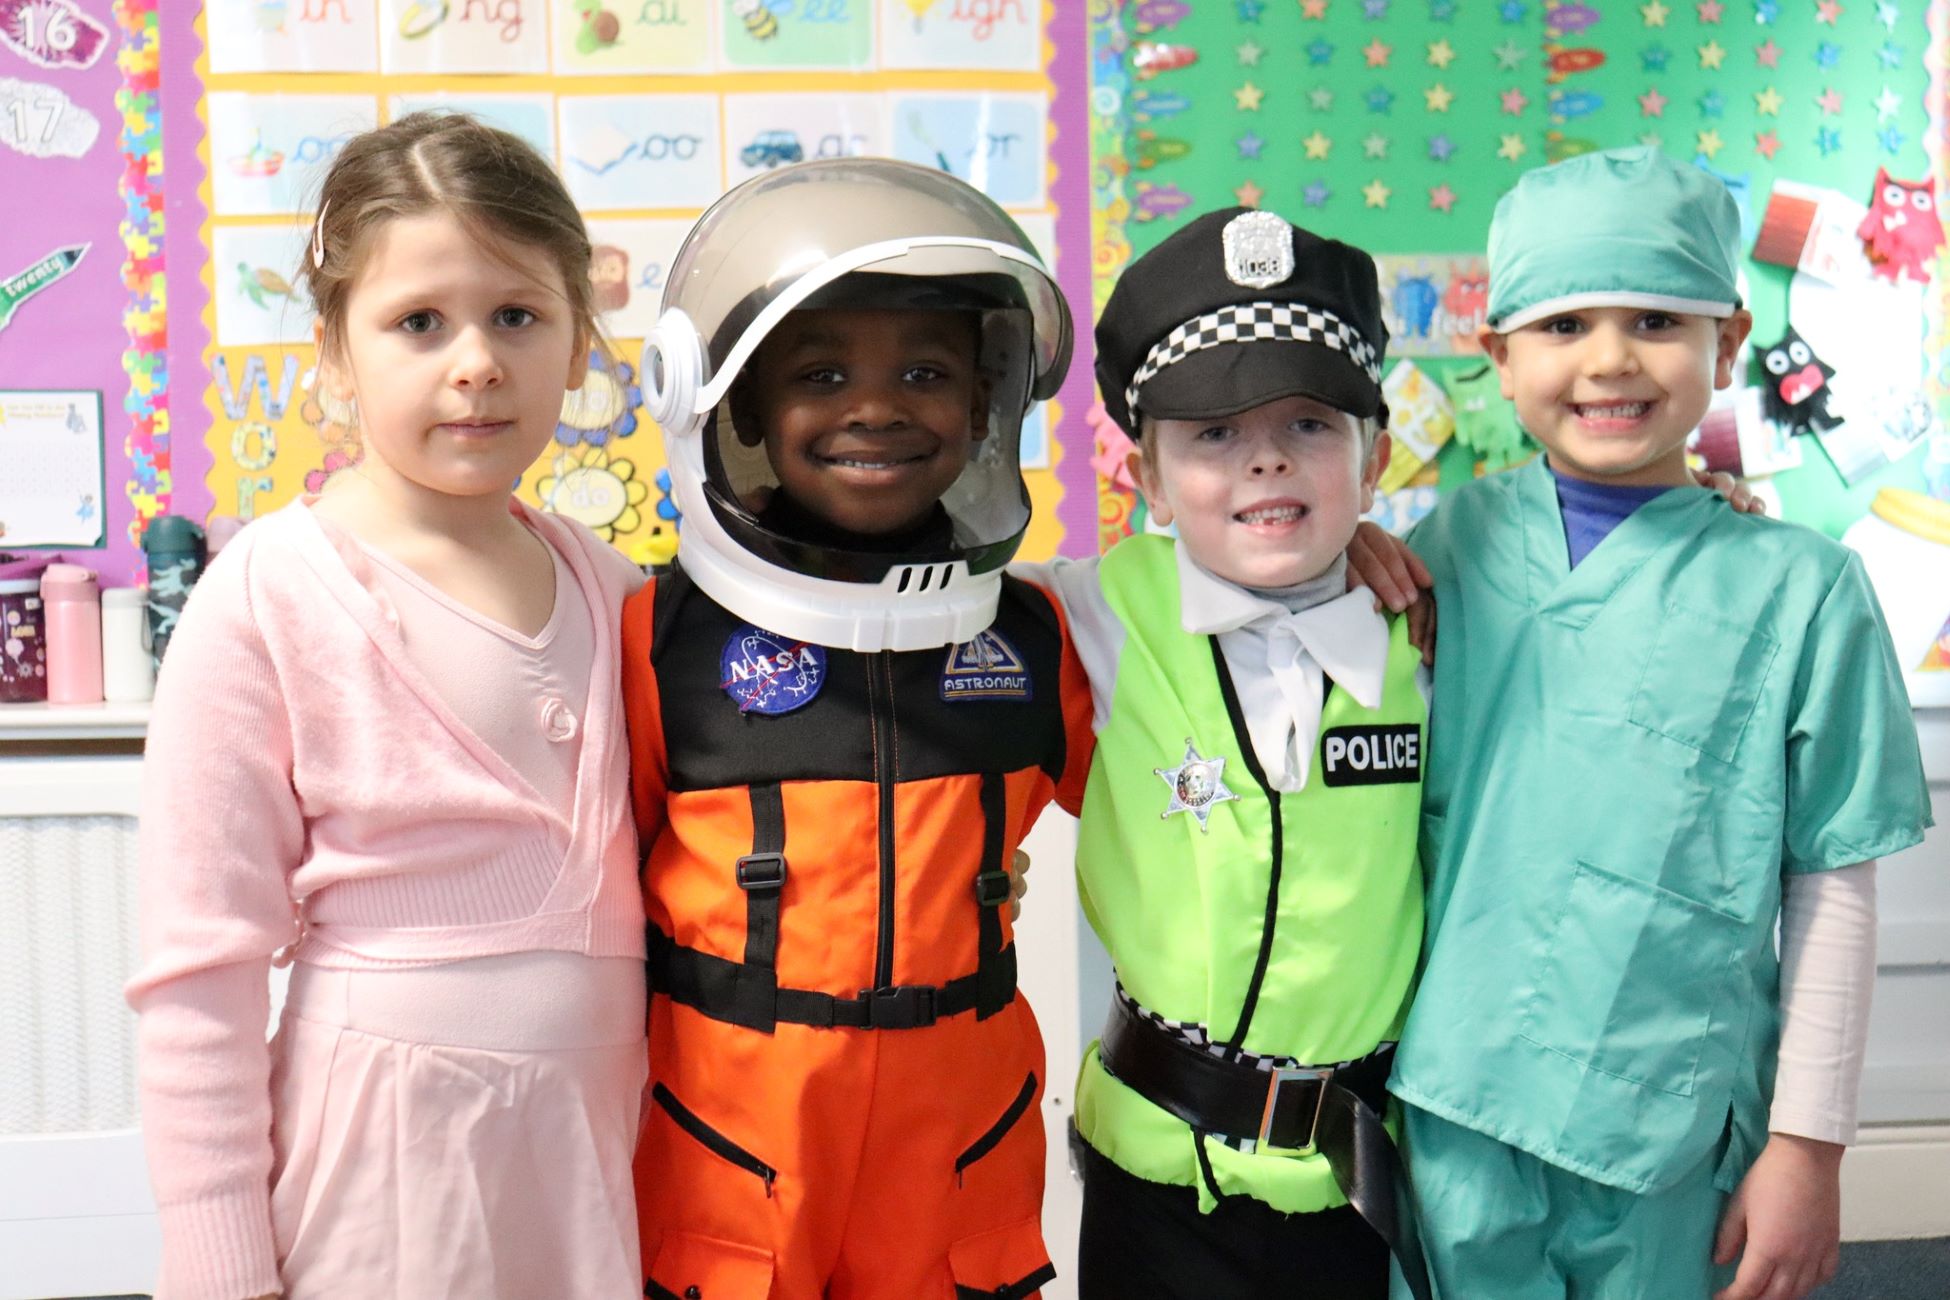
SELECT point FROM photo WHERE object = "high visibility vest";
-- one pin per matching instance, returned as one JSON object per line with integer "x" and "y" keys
{"x": 1288, "y": 925}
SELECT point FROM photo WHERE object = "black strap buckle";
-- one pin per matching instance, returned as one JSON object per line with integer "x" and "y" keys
{"x": 761, "y": 871}
{"x": 1268, "y": 1121}
{"x": 900, "y": 1006}
{"x": 991, "y": 888}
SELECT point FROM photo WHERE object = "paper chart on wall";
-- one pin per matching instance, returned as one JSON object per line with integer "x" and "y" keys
{"x": 258, "y": 291}
{"x": 269, "y": 153}
{"x": 467, "y": 36}
{"x": 999, "y": 35}
{"x": 51, "y": 444}
{"x": 287, "y": 36}
{"x": 763, "y": 132}
{"x": 640, "y": 151}
{"x": 1434, "y": 303}
{"x": 607, "y": 37}
{"x": 628, "y": 263}
{"x": 804, "y": 35}
{"x": 992, "y": 141}
{"x": 532, "y": 117}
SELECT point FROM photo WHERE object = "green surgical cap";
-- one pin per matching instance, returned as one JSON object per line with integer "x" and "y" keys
{"x": 1622, "y": 228}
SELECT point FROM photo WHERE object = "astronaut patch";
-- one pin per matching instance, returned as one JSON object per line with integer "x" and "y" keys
{"x": 985, "y": 668}
{"x": 764, "y": 672}
{"x": 1385, "y": 755}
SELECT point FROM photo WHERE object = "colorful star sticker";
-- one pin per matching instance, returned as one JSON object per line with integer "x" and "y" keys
{"x": 1319, "y": 53}
{"x": 1709, "y": 10}
{"x": 1710, "y": 143}
{"x": 1653, "y": 14}
{"x": 1249, "y": 146}
{"x": 1767, "y": 102}
{"x": 1767, "y": 54}
{"x": 1889, "y": 55}
{"x": 1767, "y": 144}
{"x": 1653, "y": 58}
{"x": 1249, "y": 54}
{"x": 1316, "y": 194}
{"x": 1442, "y": 198}
{"x": 1320, "y": 99}
{"x": 1380, "y": 99}
{"x": 1248, "y": 11}
{"x": 1374, "y": 10}
{"x": 1375, "y": 146}
{"x": 1712, "y": 54}
{"x": 1887, "y": 14}
{"x": 1316, "y": 10}
{"x": 1652, "y": 104}
{"x": 1830, "y": 101}
{"x": 1766, "y": 11}
{"x": 1376, "y": 193}
{"x": 1712, "y": 104}
{"x": 1438, "y": 98}
{"x": 1891, "y": 139}
{"x": 1317, "y": 145}
{"x": 1827, "y": 54}
{"x": 1513, "y": 11}
{"x": 1247, "y": 98}
{"x": 1652, "y": 140}
{"x": 1827, "y": 11}
{"x": 1828, "y": 140}
{"x": 1442, "y": 11}
{"x": 1509, "y": 56}
{"x": 1515, "y": 101}
{"x": 1512, "y": 148}
{"x": 1249, "y": 195}
{"x": 1441, "y": 148}
{"x": 1887, "y": 104}
{"x": 1377, "y": 53}
{"x": 1441, "y": 53}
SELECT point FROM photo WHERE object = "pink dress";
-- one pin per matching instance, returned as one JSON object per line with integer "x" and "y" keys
{"x": 467, "y": 1128}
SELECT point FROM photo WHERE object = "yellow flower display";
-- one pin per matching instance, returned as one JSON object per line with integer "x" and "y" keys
{"x": 589, "y": 486}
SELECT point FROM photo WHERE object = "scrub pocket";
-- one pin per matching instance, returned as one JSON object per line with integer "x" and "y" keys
{"x": 1632, "y": 980}
{"x": 1701, "y": 679}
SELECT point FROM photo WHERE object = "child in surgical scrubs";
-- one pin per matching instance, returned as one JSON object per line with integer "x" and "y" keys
{"x": 1659, "y": 727}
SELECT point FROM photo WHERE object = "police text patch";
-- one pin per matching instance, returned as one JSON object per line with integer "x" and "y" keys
{"x": 1380, "y": 755}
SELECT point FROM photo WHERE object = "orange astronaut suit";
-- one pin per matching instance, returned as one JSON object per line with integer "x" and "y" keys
{"x": 845, "y": 1080}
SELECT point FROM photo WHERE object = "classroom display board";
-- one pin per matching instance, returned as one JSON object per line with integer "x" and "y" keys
{"x": 1397, "y": 124}
{"x": 174, "y": 152}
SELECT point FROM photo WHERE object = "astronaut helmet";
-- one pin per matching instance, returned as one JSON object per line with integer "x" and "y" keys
{"x": 849, "y": 235}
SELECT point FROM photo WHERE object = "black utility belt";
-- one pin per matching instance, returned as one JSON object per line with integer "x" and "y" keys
{"x": 1278, "y": 1109}
{"x": 744, "y": 994}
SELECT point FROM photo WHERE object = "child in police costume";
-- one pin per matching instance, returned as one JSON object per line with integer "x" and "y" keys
{"x": 1247, "y": 849}
{"x": 843, "y": 719}
{"x": 1659, "y": 726}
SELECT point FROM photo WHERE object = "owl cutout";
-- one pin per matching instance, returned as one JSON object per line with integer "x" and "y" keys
{"x": 1794, "y": 393}
{"x": 1902, "y": 231}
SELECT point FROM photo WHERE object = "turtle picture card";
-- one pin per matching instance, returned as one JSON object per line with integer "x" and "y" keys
{"x": 258, "y": 292}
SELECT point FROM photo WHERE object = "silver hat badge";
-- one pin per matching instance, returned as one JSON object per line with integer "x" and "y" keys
{"x": 1258, "y": 249}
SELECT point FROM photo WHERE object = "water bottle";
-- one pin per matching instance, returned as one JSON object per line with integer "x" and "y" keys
{"x": 23, "y": 641}
{"x": 174, "y": 545}
{"x": 128, "y": 672}
{"x": 74, "y": 634}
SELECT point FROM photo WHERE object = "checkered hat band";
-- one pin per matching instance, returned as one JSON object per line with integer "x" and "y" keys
{"x": 1253, "y": 322}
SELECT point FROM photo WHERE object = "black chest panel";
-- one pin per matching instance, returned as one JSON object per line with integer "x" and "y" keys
{"x": 996, "y": 708}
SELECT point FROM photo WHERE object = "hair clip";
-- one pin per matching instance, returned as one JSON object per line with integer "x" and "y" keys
{"x": 318, "y": 236}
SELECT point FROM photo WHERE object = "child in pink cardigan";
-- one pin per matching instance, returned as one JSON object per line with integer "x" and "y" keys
{"x": 388, "y": 746}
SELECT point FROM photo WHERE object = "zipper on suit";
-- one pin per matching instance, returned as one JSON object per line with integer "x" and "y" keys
{"x": 711, "y": 1140}
{"x": 986, "y": 1143}
{"x": 880, "y": 699}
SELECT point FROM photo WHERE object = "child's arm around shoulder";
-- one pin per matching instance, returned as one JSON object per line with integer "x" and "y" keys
{"x": 1093, "y": 637}
{"x": 643, "y": 712}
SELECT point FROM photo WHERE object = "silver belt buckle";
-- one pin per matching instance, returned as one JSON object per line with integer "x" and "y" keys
{"x": 1282, "y": 1077}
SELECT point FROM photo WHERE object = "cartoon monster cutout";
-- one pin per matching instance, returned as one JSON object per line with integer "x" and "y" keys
{"x": 1795, "y": 392}
{"x": 1902, "y": 230}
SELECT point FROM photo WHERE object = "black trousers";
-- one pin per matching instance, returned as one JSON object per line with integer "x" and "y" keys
{"x": 1147, "y": 1241}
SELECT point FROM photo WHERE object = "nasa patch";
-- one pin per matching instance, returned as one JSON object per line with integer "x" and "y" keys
{"x": 764, "y": 672}
{"x": 985, "y": 668}
{"x": 1386, "y": 755}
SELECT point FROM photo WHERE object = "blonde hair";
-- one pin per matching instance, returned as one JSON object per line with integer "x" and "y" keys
{"x": 494, "y": 183}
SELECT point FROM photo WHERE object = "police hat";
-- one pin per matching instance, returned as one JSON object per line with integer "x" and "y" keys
{"x": 1238, "y": 309}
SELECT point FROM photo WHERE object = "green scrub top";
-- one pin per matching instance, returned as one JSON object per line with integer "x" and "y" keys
{"x": 1625, "y": 759}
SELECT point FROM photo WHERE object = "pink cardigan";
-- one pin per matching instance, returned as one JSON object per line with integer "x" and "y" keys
{"x": 305, "y": 785}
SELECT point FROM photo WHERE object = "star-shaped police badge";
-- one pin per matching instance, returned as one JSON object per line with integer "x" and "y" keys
{"x": 1195, "y": 785}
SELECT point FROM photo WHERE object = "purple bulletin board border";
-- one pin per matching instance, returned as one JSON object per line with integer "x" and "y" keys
{"x": 183, "y": 259}
{"x": 1069, "y": 148}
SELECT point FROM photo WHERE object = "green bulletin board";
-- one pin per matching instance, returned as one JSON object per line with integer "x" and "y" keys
{"x": 1397, "y": 124}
